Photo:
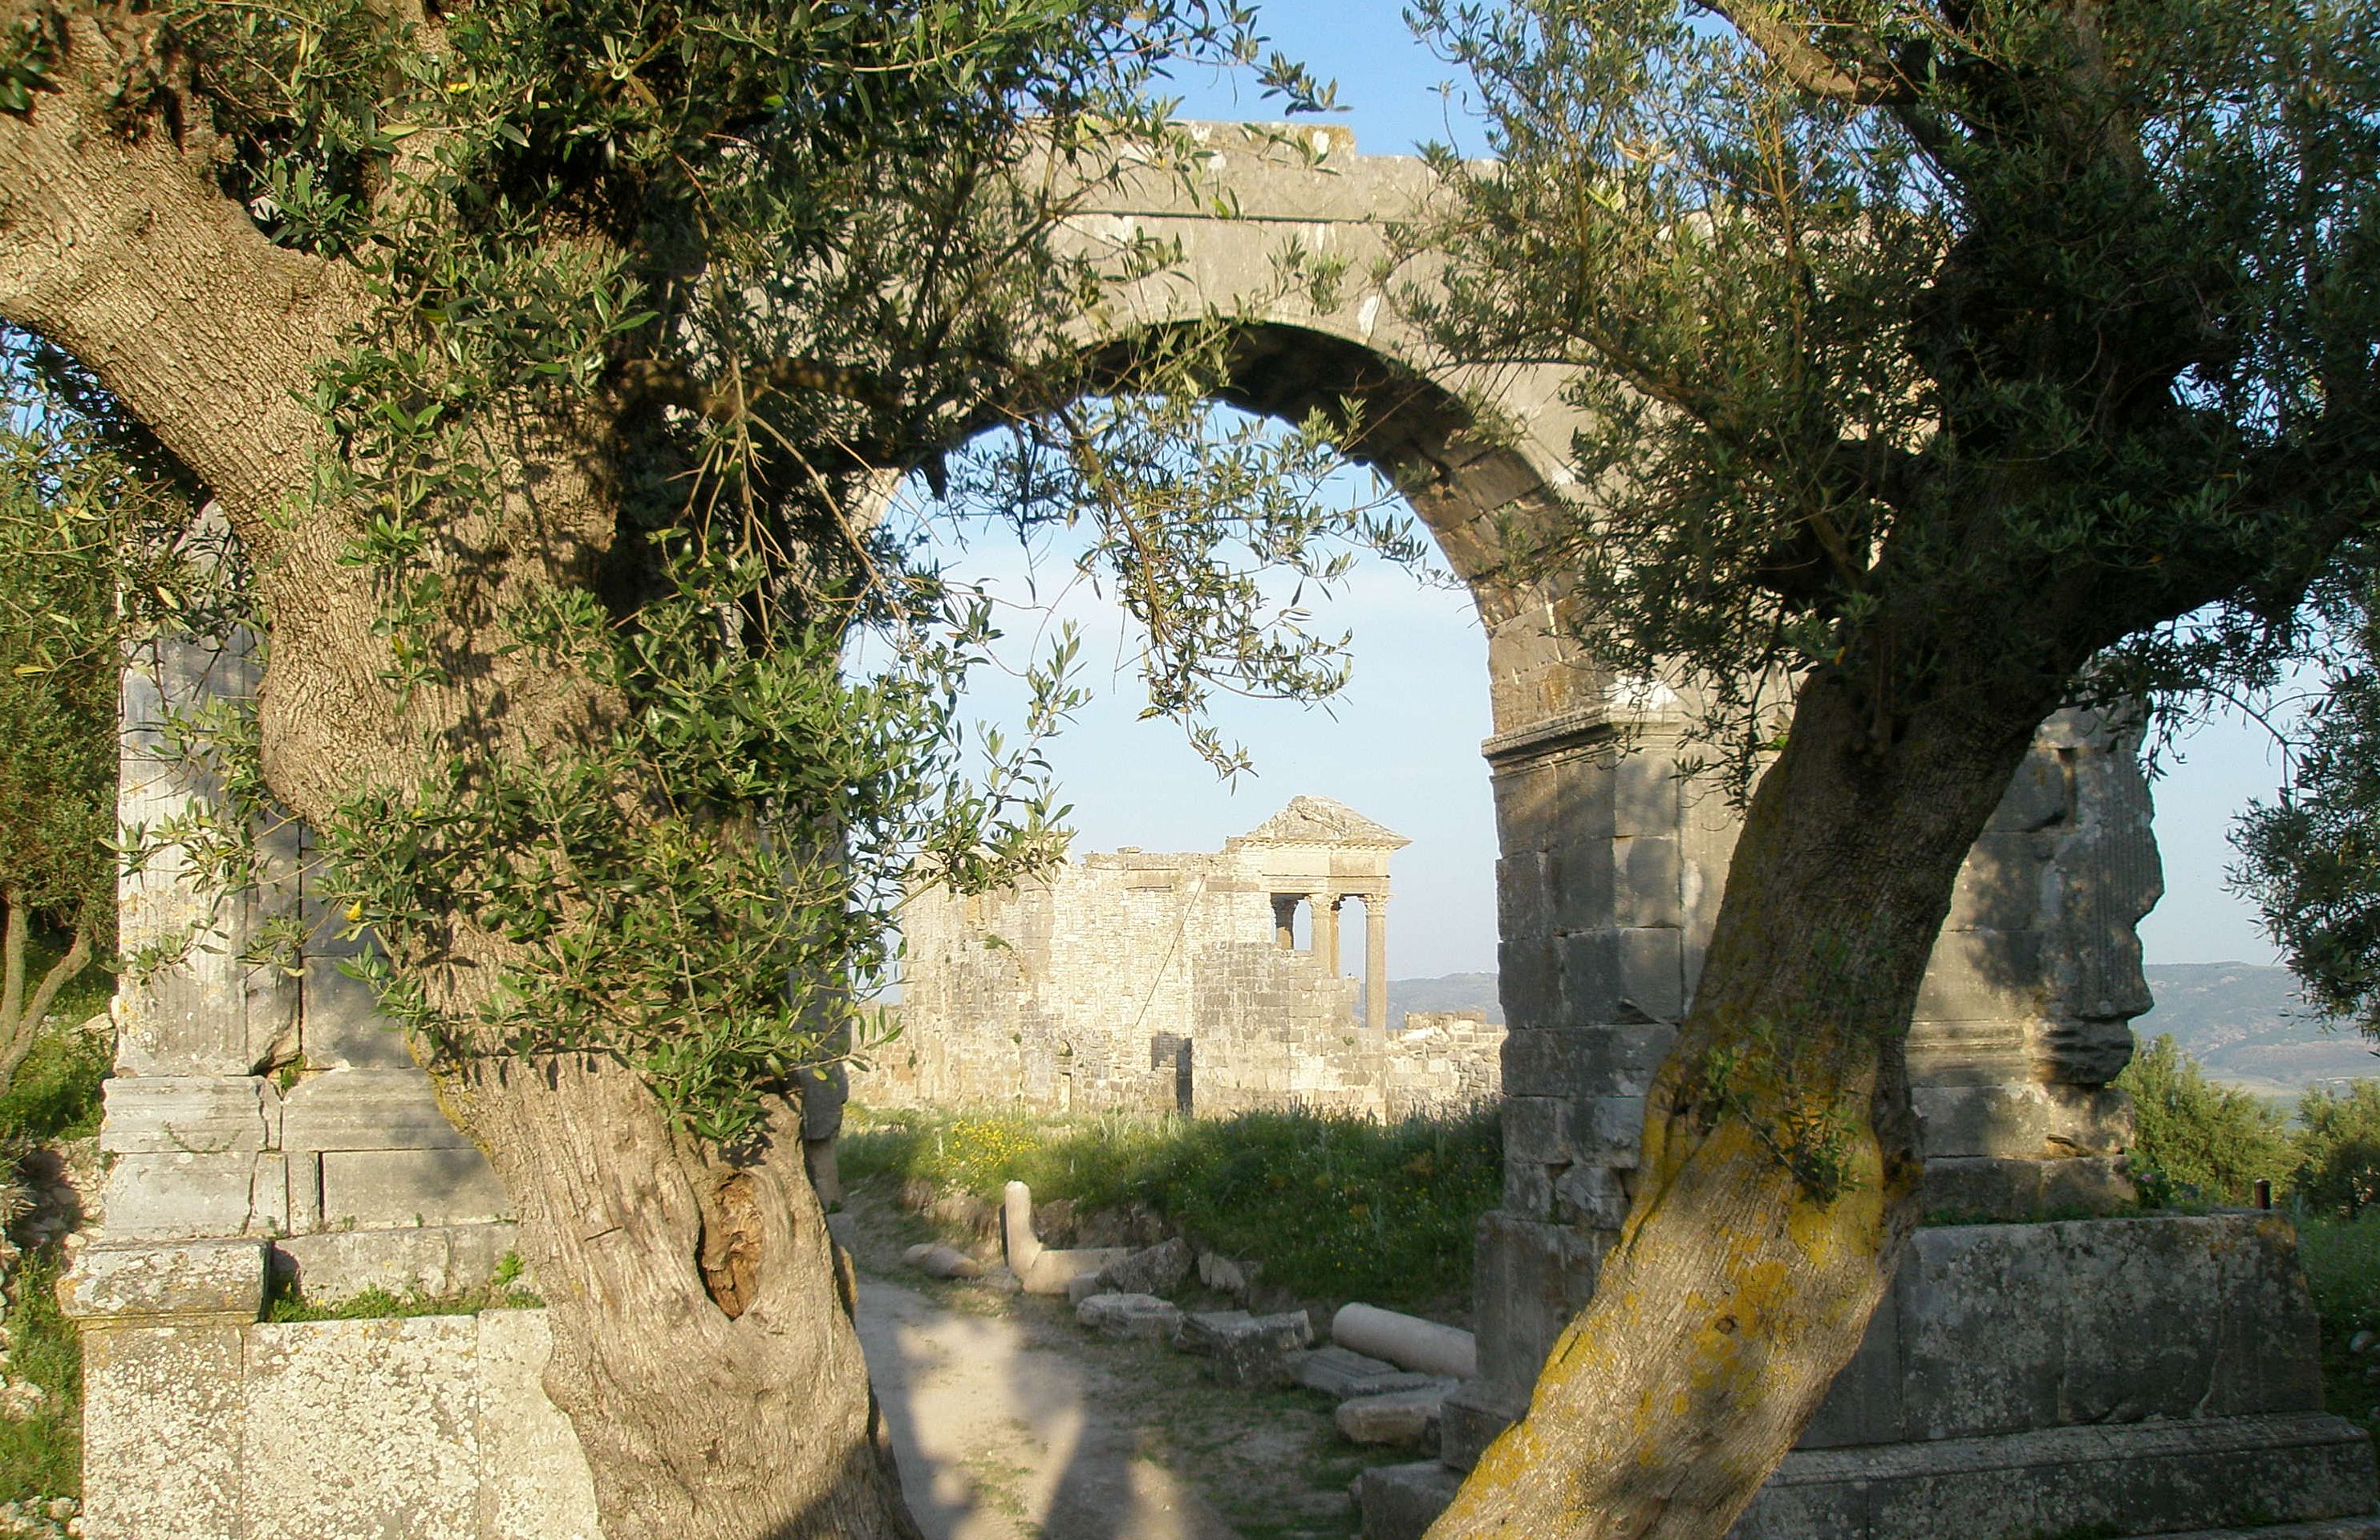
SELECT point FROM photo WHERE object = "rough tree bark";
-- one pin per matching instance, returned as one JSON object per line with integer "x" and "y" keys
{"x": 704, "y": 1345}
{"x": 1766, "y": 1224}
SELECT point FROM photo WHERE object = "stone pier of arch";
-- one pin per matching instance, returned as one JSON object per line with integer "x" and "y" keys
{"x": 265, "y": 1119}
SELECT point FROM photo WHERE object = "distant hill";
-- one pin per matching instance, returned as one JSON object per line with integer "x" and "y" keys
{"x": 2249, "y": 1026}
{"x": 1456, "y": 991}
{"x": 2245, "y": 1023}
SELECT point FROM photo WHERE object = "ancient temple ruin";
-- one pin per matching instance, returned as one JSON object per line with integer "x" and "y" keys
{"x": 1151, "y": 983}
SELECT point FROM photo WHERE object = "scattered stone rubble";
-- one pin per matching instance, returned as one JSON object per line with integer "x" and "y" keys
{"x": 1395, "y": 1398}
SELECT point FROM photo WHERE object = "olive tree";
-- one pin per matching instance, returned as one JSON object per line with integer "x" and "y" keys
{"x": 1943, "y": 364}
{"x": 548, "y": 364}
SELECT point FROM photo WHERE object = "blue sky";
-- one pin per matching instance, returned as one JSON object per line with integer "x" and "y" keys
{"x": 1401, "y": 744}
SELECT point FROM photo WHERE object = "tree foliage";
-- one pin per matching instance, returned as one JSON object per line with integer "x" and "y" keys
{"x": 2046, "y": 325}
{"x": 2197, "y": 1140}
{"x": 2338, "y": 1146}
{"x": 88, "y": 534}
{"x": 749, "y": 261}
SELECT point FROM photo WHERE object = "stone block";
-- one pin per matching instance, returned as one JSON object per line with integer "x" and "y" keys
{"x": 1156, "y": 1269}
{"x": 1474, "y": 1414}
{"x": 2004, "y": 1120}
{"x": 1588, "y": 962}
{"x": 534, "y": 1484}
{"x": 2269, "y": 1340}
{"x": 1529, "y": 977}
{"x": 160, "y": 1196}
{"x": 163, "y": 1425}
{"x": 1652, "y": 972}
{"x": 2125, "y": 1479}
{"x": 1606, "y": 1131}
{"x": 428, "y": 1259}
{"x": 1645, "y": 788}
{"x": 1051, "y": 1272}
{"x": 2000, "y": 886}
{"x": 1525, "y": 896}
{"x": 394, "y": 1187}
{"x": 937, "y": 1260}
{"x": 386, "y": 1413}
{"x": 1247, "y": 1350}
{"x": 189, "y": 1115}
{"x": 190, "y": 1280}
{"x": 2036, "y": 797}
{"x": 1981, "y": 1328}
{"x": 345, "y": 1029}
{"x": 1987, "y": 1052}
{"x": 1334, "y": 1370}
{"x": 1983, "y": 975}
{"x": 1584, "y": 882}
{"x": 1527, "y": 1282}
{"x": 1590, "y": 1195}
{"x": 1863, "y": 1406}
{"x": 1408, "y": 1418}
{"x": 366, "y": 1109}
{"x": 1991, "y": 1187}
{"x": 1586, "y": 1060}
{"x": 1646, "y": 883}
{"x": 1528, "y": 1191}
{"x": 1122, "y": 1315}
{"x": 1400, "y": 1502}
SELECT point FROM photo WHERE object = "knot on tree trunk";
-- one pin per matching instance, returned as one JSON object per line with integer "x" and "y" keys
{"x": 730, "y": 1245}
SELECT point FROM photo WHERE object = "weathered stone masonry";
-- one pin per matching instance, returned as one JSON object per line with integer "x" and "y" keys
{"x": 1161, "y": 982}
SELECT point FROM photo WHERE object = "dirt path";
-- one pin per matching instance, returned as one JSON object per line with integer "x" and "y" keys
{"x": 1011, "y": 1422}
{"x": 1001, "y": 1436}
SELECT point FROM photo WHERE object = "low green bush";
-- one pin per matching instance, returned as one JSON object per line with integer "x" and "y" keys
{"x": 41, "y": 1456}
{"x": 2337, "y": 1168}
{"x": 2196, "y": 1140}
{"x": 1335, "y": 1207}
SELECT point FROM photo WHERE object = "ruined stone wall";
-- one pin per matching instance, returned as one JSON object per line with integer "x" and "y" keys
{"x": 1149, "y": 983}
{"x": 262, "y": 1096}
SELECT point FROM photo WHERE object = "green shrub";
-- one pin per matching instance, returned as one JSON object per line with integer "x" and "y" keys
{"x": 2196, "y": 1140}
{"x": 2338, "y": 1148}
{"x": 42, "y": 1456}
{"x": 1335, "y": 1207}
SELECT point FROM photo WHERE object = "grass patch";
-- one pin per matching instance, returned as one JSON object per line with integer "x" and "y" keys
{"x": 55, "y": 1094}
{"x": 502, "y": 1291}
{"x": 2342, "y": 1265}
{"x": 1336, "y": 1206}
{"x": 42, "y": 1456}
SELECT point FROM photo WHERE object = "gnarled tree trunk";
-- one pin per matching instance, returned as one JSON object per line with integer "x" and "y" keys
{"x": 703, "y": 1343}
{"x": 1780, "y": 1170}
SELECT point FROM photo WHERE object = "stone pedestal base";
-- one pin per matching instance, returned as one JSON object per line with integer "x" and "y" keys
{"x": 2115, "y": 1377}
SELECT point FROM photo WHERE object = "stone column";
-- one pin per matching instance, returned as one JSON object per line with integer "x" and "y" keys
{"x": 1376, "y": 962}
{"x": 1326, "y": 930}
{"x": 1284, "y": 921}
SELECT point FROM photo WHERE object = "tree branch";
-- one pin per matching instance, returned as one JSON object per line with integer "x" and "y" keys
{"x": 23, "y": 1030}
{"x": 1865, "y": 82}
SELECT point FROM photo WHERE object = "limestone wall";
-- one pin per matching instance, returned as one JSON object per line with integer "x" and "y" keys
{"x": 1151, "y": 983}
{"x": 214, "y": 1426}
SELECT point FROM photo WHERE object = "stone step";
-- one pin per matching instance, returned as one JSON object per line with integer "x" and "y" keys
{"x": 2311, "y": 1474}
